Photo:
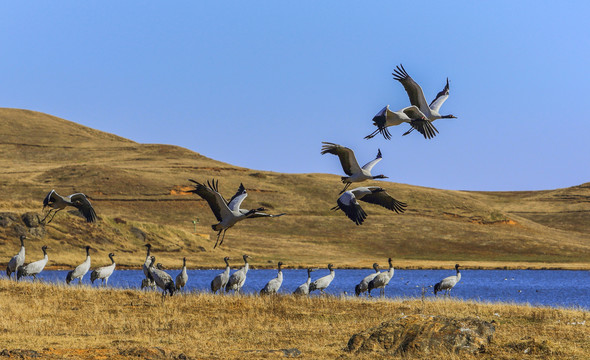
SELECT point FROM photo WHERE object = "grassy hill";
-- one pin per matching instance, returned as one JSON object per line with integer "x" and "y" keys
{"x": 139, "y": 193}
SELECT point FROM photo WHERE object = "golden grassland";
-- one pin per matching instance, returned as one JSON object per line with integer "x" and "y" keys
{"x": 85, "y": 323}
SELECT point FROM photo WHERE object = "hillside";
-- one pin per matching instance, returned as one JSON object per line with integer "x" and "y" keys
{"x": 138, "y": 191}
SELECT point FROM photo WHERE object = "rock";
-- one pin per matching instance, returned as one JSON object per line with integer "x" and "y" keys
{"x": 424, "y": 334}
{"x": 7, "y": 219}
{"x": 140, "y": 234}
{"x": 19, "y": 354}
{"x": 31, "y": 219}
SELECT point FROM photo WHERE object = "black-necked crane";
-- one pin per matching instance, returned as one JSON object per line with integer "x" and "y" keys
{"x": 17, "y": 260}
{"x": 410, "y": 115}
{"x": 34, "y": 268}
{"x": 417, "y": 98}
{"x": 227, "y": 213}
{"x": 322, "y": 283}
{"x": 219, "y": 281}
{"x": 57, "y": 203}
{"x": 350, "y": 166}
{"x": 363, "y": 286}
{"x": 103, "y": 273}
{"x": 148, "y": 282}
{"x": 348, "y": 202}
{"x": 162, "y": 278}
{"x": 303, "y": 289}
{"x": 182, "y": 277}
{"x": 273, "y": 286}
{"x": 448, "y": 283}
{"x": 238, "y": 278}
{"x": 80, "y": 270}
{"x": 382, "y": 279}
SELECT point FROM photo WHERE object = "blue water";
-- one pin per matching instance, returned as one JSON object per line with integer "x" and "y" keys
{"x": 557, "y": 288}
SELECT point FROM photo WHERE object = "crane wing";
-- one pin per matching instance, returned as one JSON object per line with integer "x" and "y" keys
{"x": 236, "y": 200}
{"x": 80, "y": 201}
{"x": 210, "y": 194}
{"x": 49, "y": 198}
{"x": 440, "y": 98}
{"x": 346, "y": 156}
{"x": 259, "y": 214}
{"x": 369, "y": 166}
{"x": 414, "y": 90}
{"x": 382, "y": 198}
{"x": 348, "y": 204}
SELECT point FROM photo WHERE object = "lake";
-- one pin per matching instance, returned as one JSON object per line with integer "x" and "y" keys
{"x": 557, "y": 288}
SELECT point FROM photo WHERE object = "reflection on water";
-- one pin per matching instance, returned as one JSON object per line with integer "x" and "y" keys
{"x": 563, "y": 288}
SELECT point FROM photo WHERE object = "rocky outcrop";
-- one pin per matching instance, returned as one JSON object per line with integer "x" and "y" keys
{"x": 28, "y": 224}
{"x": 425, "y": 334}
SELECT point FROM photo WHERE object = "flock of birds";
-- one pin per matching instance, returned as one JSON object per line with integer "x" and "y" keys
{"x": 419, "y": 115}
{"x": 156, "y": 277}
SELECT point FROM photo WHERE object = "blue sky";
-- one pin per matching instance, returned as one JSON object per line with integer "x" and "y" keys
{"x": 262, "y": 84}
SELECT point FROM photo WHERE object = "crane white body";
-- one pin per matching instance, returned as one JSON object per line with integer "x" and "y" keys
{"x": 348, "y": 202}
{"x": 220, "y": 281}
{"x": 162, "y": 279}
{"x": 303, "y": 289}
{"x": 382, "y": 279}
{"x": 350, "y": 165}
{"x": 322, "y": 283}
{"x": 273, "y": 286}
{"x": 103, "y": 273}
{"x": 17, "y": 260}
{"x": 448, "y": 283}
{"x": 33, "y": 268}
{"x": 57, "y": 203}
{"x": 227, "y": 213}
{"x": 238, "y": 278}
{"x": 182, "y": 277}
{"x": 80, "y": 270}
{"x": 363, "y": 286}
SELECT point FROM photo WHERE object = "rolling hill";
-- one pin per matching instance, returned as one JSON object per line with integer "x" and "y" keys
{"x": 139, "y": 193}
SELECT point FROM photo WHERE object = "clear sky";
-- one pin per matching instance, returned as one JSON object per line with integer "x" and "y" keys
{"x": 262, "y": 84}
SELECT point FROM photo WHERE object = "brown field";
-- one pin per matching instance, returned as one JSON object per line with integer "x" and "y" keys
{"x": 137, "y": 190}
{"x": 84, "y": 323}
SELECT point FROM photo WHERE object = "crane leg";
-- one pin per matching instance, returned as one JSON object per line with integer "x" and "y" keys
{"x": 222, "y": 237}
{"x": 345, "y": 187}
{"x": 52, "y": 216}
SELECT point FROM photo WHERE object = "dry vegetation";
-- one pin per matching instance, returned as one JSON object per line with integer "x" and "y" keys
{"x": 59, "y": 321}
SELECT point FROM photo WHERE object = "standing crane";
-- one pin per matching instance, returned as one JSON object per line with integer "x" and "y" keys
{"x": 238, "y": 278}
{"x": 80, "y": 270}
{"x": 148, "y": 281}
{"x": 103, "y": 273}
{"x": 382, "y": 279}
{"x": 182, "y": 277}
{"x": 162, "y": 279}
{"x": 219, "y": 281}
{"x": 34, "y": 268}
{"x": 363, "y": 286}
{"x": 322, "y": 283}
{"x": 273, "y": 286}
{"x": 57, "y": 203}
{"x": 227, "y": 213}
{"x": 17, "y": 260}
{"x": 303, "y": 289}
{"x": 350, "y": 165}
{"x": 448, "y": 283}
{"x": 347, "y": 202}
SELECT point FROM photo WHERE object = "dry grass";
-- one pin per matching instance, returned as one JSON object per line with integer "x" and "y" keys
{"x": 57, "y": 320}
